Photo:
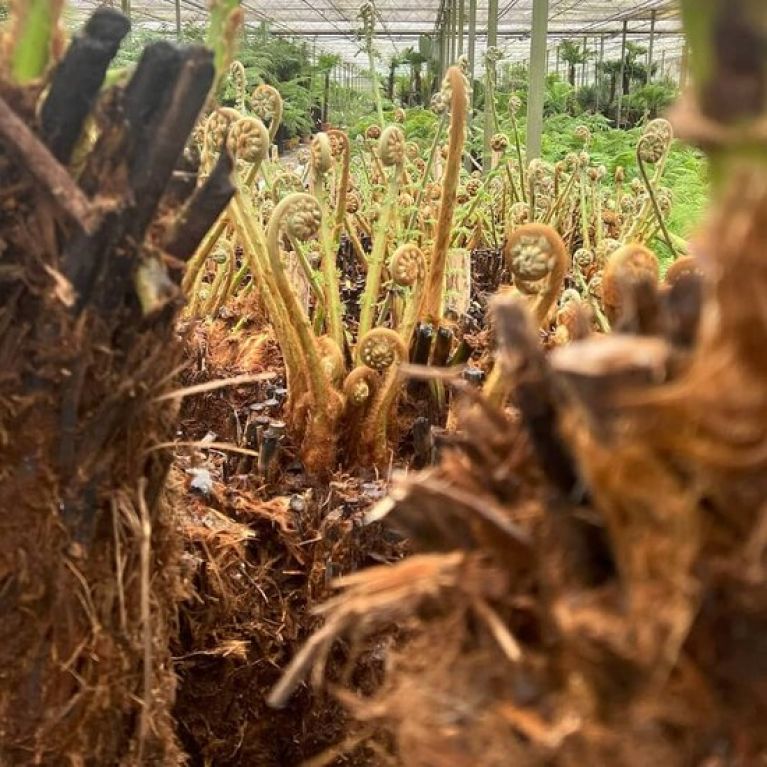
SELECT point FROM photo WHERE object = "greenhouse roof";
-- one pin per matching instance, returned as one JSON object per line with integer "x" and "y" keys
{"x": 332, "y": 25}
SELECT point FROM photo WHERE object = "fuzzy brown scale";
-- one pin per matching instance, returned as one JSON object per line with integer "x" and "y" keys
{"x": 626, "y": 267}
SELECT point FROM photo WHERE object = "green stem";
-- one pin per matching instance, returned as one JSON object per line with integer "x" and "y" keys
{"x": 253, "y": 241}
{"x": 602, "y": 321}
{"x": 560, "y": 202}
{"x": 36, "y": 26}
{"x": 318, "y": 384}
{"x": 512, "y": 185}
{"x": 597, "y": 205}
{"x": 309, "y": 272}
{"x": 518, "y": 146}
{"x": 225, "y": 20}
{"x": 429, "y": 165}
{"x": 654, "y": 200}
{"x": 584, "y": 213}
{"x": 332, "y": 301}
{"x": 374, "y": 80}
{"x": 376, "y": 259}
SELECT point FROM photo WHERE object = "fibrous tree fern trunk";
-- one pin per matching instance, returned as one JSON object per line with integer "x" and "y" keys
{"x": 89, "y": 553}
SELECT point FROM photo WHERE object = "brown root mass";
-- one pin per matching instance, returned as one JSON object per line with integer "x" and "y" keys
{"x": 261, "y": 552}
{"x": 89, "y": 550}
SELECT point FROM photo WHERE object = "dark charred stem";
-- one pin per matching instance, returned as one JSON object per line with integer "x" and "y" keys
{"x": 419, "y": 355}
{"x": 462, "y": 354}
{"x": 270, "y": 443}
{"x": 149, "y": 170}
{"x": 535, "y": 393}
{"x": 422, "y": 444}
{"x": 77, "y": 80}
{"x": 68, "y": 420}
{"x": 164, "y": 142}
{"x": 442, "y": 347}
{"x": 580, "y": 544}
{"x": 577, "y": 550}
{"x": 424, "y": 336}
{"x": 684, "y": 302}
{"x": 50, "y": 175}
{"x": 202, "y": 210}
{"x": 81, "y": 257}
{"x": 133, "y": 113}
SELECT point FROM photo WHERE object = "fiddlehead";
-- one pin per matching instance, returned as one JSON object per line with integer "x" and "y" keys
{"x": 332, "y": 360}
{"x": 320, "y": 155}
{"x": 360, "y": 385}
{"x": 284, "y": 184}
{"x": 682, "y": 268}
{"x": 407, "y": 265}
{"x": 301, "y": 216}
{"x": 499, "y": 144}
{"x": 585, "y": 261}
{"x": 341, "y": 150}
{"x": 239, "y": 83}
{"x": 391, "y": 147}
{"x": 382, "y": 350}
{"x": 367, "y": 17}
{"x": 248, "y": 140}
{"x": 604, "y": 250}
{"x": 583, "y": 134}
{"x": 572, "y": 321}
{"x": 267, "y": 104}
{"x": 652, "y": 149}
{"x": 536, "y": 252}
{"x": 216, "y": 129}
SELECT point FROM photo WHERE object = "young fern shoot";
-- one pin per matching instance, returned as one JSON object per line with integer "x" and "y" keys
{"x": 392, "y": 155}
{"x": 455, "y": 90}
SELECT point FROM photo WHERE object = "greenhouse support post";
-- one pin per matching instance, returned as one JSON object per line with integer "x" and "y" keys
{"x": 178, "y": 19}
{"x": 461, "y": 25}
{"x": 447, "y": 34}
{"x": 454, "y": 30}
{"x": 472, "y": 43}
{"x": 440, "y": 32}
{"x": 619, "y": 119}
{"x": 492, "y": 41}
{"x": 442, "y": 47}
{"x": 537, "y": 78}
{"x": 683, "y": 69}
{"x": 471, "y": 50}
{"x": 651, "y": 46}
{"x": 598, "y": 68}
